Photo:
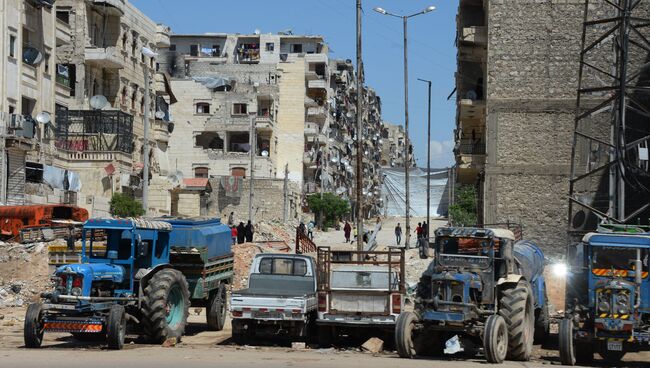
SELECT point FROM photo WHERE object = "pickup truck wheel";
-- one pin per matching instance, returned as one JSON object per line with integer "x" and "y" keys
{"x": 165, "y": 306}
{"x": 116, "y": 327}
{"x": 404, "y": 331}
{"x": 216, "y": 311}
{"x": 495, "y": 339}
{"x": 33, "y": 328}
{"x": 518, "y": 310}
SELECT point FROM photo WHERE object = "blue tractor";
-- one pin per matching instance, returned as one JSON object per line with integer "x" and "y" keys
{"x": 607, "y": 301}
{"x": 485, "y": 286}
{"x": 137, "y": 276}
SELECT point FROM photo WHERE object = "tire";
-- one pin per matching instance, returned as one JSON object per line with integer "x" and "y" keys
{"x": 33, "y": 327}
{"x": 165, "y": 306}
{"x": 423, "y": 288}
{"x": 495, "y": 339}
{"x": 542, "y": 323}
{"x": 612, "y": 358}
{"x": 239, "y": 334}
{"x": 565, "y": 342}
{"x": 327, "y": 336}
{"x": 404, "y": 341}
{"x": 216, "y": 310}
{"x": 116, "y": 327}
{"x": 518, "y": 310}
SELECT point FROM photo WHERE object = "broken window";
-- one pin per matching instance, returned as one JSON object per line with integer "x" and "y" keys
{"x": 208, "y": 140}
{"x": 239, "y": 109}
{"x": 201, "y": 172}
{"x": 296, "y": 48}
{"x": 270, "y": 46}
{"x": 33, "y": 172}
{"x": 202, "y": 108}
{"x": 63, "y": 15}
{"x": 194, "y": 50}
{"x": 216, "y": 50}
{"x": 239, "y": 142}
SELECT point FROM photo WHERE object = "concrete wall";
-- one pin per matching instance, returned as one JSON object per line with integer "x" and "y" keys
{"x": 291, "y": 120}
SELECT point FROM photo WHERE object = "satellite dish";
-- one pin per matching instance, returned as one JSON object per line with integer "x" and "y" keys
{"x": 43, "y": 117}
{"x": 32, "y": 56}
{"x": 98, "y": 102}
{"x": 257, "y": 31}
{"x": 148, "y": 52}
{"x": 265, "y": 153}
{"x": 160, "y": 114}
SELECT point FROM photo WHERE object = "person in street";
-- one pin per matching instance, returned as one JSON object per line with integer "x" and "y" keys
{"x": 310, "y": 230}
{"x": 240, "y": 233}
{"x": 398, "y": 233}
{"x": 249, "y": 230}
{"x": 425, "y": 230}
{"x": 355, "y": 233}
{"x": 231, "y": 219}
{"x": 301, "y": 229}
{"x": 418, "y": 230}
{"x": 233, "y": 234}
{"x": 347, "y": 229}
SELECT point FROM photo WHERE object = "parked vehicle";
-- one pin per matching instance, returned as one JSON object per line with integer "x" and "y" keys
{"x": 484, "y": 286}
{"x": 280, "y": 300}
{"x": 607, "y": 296}
{"x": 359, "y": 291}
{"x": 143, "y": 282}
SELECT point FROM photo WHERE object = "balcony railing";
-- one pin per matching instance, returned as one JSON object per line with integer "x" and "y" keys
{"x": 94, "y": 130}
{"x": 468, "y": 148}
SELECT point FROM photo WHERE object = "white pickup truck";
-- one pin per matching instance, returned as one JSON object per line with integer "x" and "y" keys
{"x": 280, "y": 300}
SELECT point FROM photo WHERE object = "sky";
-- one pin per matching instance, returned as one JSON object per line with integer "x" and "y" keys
{"x": 432, "y": 54}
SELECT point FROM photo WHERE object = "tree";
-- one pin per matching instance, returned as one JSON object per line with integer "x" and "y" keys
{"x": 331, "y": 206}
{"x": 123, "y": 205}
{"x": 463, "y": 211}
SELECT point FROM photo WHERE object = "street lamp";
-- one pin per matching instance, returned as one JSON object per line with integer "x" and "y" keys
{"x": 428, "y": 157}
{"x": 407, "y": 150}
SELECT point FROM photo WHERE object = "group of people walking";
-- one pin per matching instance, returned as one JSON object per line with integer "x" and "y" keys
{"x": 240, "y": 233}
{"x": 422, "y": 231}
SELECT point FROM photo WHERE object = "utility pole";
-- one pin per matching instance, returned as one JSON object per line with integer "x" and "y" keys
{"x": 285, "y": 212}
{"x": 145, "y": 161}
{"x": 428, "y": 158}
{"x": 253, "y": 142}
{"x": 359, "y": 170}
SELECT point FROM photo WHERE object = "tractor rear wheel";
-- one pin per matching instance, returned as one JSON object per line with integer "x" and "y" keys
{"x": 165, "y": 306}
{"x": 495, "y": 339}
{"x": 33, "y": 328}
{"x": 216, "y": 310}
{"x": 518, "y": 310}
{"x": 116, "y": 327}
{"x": 404, "y": 334}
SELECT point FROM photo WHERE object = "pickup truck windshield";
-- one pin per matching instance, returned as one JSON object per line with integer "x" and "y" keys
{"x": 283, "y": 266}
{"x": 616, "y": 258}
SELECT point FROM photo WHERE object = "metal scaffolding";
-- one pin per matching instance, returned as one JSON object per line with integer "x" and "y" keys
{"x": 610, "y": 180}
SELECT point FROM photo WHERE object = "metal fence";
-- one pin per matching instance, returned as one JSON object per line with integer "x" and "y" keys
{"x": 94, "y": 130}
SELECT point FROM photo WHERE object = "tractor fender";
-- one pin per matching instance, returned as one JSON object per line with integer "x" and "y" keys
{"x": 509, "y": 279}
{"x": 145, "y": 274}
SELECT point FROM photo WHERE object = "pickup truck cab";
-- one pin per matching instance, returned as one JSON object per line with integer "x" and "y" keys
{"x": 358, "y": 292}
{"x": 280, "y": 300}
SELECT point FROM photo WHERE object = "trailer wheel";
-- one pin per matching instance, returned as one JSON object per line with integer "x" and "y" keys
{"x": 404, "y": 334}
{"x": 495, "y": 339}
{"x": 33, "y": 328}
{"x": 612, "y": 358}
{"x": 216, "y": 311}
{"x": 165, "y": 306}
{"x": 116, "y": 327}
{"x": 518, "y": 310}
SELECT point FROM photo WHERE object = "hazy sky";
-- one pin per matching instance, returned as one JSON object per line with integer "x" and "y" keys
{"x": 432, "y": 54}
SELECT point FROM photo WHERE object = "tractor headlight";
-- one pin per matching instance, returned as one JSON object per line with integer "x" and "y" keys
{"x": 622, "y": 303}
{"x": 603, "y": 304}
{"x": 76, "y": 291}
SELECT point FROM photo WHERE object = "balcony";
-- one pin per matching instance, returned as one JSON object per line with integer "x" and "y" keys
{"x": 311, "y": 129}
{"x": 161, "y": 130}
{"x": 474, "y": 35}
{"x": 317, "y": 84}
{"x": 471, "y": 111}
{"x": 159, "y": 82}
{"x": 94, "y": 131}
{"x": 316, "y": 58}
{"x": 317, "y": 113}
{"x": 467, "y": 147}
{"x": 101, "y": 156}
{"x": 264, "y": 122}
{"x": 107, "y": 57}
{"x": 162, "y": 36}
{"x": 111, "y": 7}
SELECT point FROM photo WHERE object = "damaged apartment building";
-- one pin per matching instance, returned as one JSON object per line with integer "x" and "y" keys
{"x": 516, "y": 87}
{"x": 82, "y": 69}
{"x": 277, "y": 95}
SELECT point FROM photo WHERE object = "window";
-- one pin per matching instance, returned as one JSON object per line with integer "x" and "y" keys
{"x": 46, "y": 64}
{"x": 172, "y": 47}
{"x": 239, "y": 109}
{"x": 63, "y": 15}
{"x": 270, "y": 46}
{"x": 216, "y": 51}
{"x": 194, "y": 50}
{"x": 201, "y": 172}
{"x": 124, "y": 39}
{"x": 296, "y": 48}
{"x": 202, "y": 108}
{"x": 12, "y": 45}
{"x": 283, "y": 266}
{"x": 238, "y": 171}
{"x": 12, "y": 109}
{"x": 33, "y": 172}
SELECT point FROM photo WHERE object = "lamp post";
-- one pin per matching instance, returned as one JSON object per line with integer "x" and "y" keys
{"x": 407, "y": 162}
{"x": 428, "y": 156}
{"x": 359, "y": 158}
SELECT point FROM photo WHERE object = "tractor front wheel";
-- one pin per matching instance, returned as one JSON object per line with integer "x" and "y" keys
{"x": 404, "y": 334}
{"x": 495, "y": 339}
{"x": 165, "y": 306}
{"x": 33, "y": 328}
{"x": 116, "y": 327}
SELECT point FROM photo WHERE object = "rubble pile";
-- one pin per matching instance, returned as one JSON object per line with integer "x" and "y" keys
{"x": 24, "y": 273}
{"x": 244, "y": 254}
{"x": 276, "y": 231}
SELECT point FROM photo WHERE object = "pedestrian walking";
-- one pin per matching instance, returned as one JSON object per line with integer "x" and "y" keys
{"x": 347, "y": 229}
{"x": 233, "y": 234}
{"x": 418, "y": 230}
{"x": 398, "y": 233}
{"x": 248, "y": 231}
{"x": 301, "y": 229}
{"x": 240, "y": 233}
{"x": 310, "y": 230}
{"x": 355, "y": 233}
{"x": 231, "y": 219}
{"x": 425, "y": 230}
